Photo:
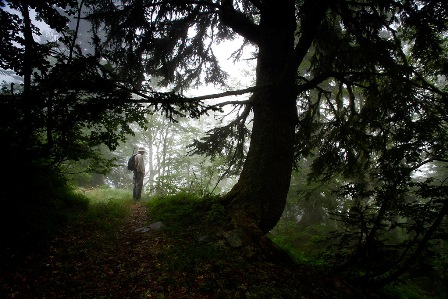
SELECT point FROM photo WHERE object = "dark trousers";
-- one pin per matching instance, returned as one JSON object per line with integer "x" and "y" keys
{"x": 138, "y": 185}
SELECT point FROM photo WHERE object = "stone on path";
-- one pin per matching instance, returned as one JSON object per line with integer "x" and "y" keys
{"x": 153, "y": 226}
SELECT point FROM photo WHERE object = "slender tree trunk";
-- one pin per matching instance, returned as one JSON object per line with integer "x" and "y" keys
{"x": 259, "y": 197}
{"x": 28, "y": 54}
{"x": 27, "y": 70}
{"x": 164, "y": 164}
{"x": 151, "y": 170}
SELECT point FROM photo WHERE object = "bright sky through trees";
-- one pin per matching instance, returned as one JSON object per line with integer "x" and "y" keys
{"x": 241, "y": 73}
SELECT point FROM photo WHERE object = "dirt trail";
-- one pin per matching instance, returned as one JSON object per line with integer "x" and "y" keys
{"x": 90, "y": 265}
{"x": 134, "y": 263}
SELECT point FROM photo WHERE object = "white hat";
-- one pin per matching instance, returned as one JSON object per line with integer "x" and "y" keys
{"x": 141, "y": 149}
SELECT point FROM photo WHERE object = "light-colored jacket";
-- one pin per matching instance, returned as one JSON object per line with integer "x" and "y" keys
{"x": 139, "y": 163}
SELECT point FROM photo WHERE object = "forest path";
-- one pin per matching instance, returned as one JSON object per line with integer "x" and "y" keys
{"x": 88, "y": 263}
{"x": 131, "y": 261}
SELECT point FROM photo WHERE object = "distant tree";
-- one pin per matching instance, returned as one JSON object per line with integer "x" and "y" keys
{"x": 171, "y": 167}
{"x": 175, "y": 168}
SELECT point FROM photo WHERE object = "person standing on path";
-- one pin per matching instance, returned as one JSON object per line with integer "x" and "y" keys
{"x": 139, "y": 173}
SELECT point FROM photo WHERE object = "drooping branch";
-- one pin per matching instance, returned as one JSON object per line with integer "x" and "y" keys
{"x": 443, "y": 212}
{"x": 422, "y": 80}
{"x": 227, "y": 141}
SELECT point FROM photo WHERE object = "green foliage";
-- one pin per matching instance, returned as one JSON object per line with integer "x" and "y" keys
{"x": 185, "y": 210}
{"x": 304, "y": 243}
{"x": 228, "y": 142}
{"x": 107, "y": 209}
{"x": 366, "y": 137}
{"x": 402, "y": 292}
{"x": 217, "y": 214}
{"x": 171, "y": 169}
{"x": 13, "y": 53}
{"x": 184, "y": 56}
{"x": 347, "y": 212}
{"x": 105, "y": 194}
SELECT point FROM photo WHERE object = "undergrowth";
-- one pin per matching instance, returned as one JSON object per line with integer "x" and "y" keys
{"x": 188, "y": 256}
{"x": 106, "y": 211}
{"x": 186, "y": 210}
{"x": 304, "y": 244}
{"x": 308, "y": 246}
{"x": 192, "y": 224}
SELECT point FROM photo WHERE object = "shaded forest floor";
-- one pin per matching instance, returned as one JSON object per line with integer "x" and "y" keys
{"x": 90, "y": 262}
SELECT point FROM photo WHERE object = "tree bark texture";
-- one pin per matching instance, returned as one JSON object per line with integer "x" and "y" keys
{"x": 258, "y": 199}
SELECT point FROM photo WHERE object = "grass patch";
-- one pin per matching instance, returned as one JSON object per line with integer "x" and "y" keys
{"x": 104, "y": 194}
{"x": 107, "y": 209}
{"x": 186, "y": 210}
{"x": 191, "y": 223}
{"x": 304, "y": 244}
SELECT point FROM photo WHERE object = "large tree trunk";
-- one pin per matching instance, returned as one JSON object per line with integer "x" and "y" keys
{"x": 259, "y": 197}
